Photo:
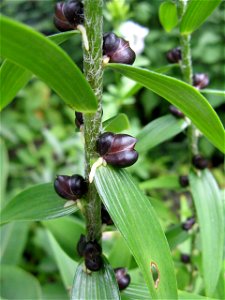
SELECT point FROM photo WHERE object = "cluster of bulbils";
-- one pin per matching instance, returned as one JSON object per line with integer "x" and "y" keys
{"x": 70, "y": 15}
{"x": 115, "y": 149}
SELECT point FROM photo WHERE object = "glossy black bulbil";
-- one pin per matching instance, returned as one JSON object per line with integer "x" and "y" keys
{"x": 117, "y": 149}
{"x": 199, "y": 162}
{"x": 174, "y": 56}
{"x": 105, "y": 216}
{"x": 185, "y": 258}
{"x": 176, "y": 112}
{"x": 117, "y": 49}
{"x": 70, "y": 187}
{"x": 200, "y": 80}
{"x": 68, "y": 15}
{"x": 93, "y": 256}
{"x": 184, "y": 181}
{"x": 187, "y": 225}
{"x": 79, "y": 121}
{"x": 122, "y": 278}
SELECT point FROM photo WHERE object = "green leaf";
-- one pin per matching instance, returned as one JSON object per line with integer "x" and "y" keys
{"x": 196, "y": 13}
{"x": 4, "y": 163}
{"x": 96, "y": 285}
{"x": 135, "y": 218}
{"x": 73, "y": 229}
{"x": 159, "y": 131}
{"x": 50, "y": 63}
{"x": 213, "y": 92}
{"x": 18, "y": 284}
{"x": 117, "y": 123}
{"x": 117, "y": 257}
{"x": 13, "y": 77}
{"x": 183, "y": 96}
{"x": 176, "y": 235}
{"x": 39, "y": 202}
{"x": 139, "y": 291}
{"x": 162, "y": 182}
{"x": 10, "y": 242}
{"x": 168, "y": 15}
{"x": 66, "y": 265}
{"x": 209, "y": 206}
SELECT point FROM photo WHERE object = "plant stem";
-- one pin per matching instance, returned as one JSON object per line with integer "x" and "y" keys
{"x": 93, "y": 71}
{"x": 186, "y": 67}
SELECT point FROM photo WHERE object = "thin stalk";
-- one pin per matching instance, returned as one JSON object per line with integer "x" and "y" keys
{"x": 93, "y": 72}
{"x": 186, "y": 67}
{"x": 187, "y": 70}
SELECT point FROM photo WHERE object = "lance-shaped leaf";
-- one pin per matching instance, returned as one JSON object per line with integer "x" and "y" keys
{"x": 183, "y": 96}
{"x": 117, "y": 123}
{"x": 135, "y": 218}
{"x": 168, "y": 15}
{"x": 50, "y": 63}
{"x": 39, "y": 202}
{"x": 96, "y": 285}
{"x": 209, "y": 206}
{"x": 13, "y": 77}
{"x": 197, "y": 12}
{"x": 158, "y": 131}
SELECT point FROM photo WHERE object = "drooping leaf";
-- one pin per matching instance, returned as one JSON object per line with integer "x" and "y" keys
{"x": 18, "y": 284}
{"x": 196, "y": 14}
{"x": 66, "y": 265}
{"x": 10, "y": 242}
{"x": 135, "y": 218}
{"x": 50, "y": 63}
{"x": 39, "y": 202}
{"x": 67, "y": 232}
{"x": 159, "y": 131}
{"x": 95, "y": 286}
{"x": 14, "y": 77}
{"x": 213, "y": 92}
{"x": 209, "y": 207}
{"x": 168, "y": 15}
{"x": 117, "y": 123}
{"x": 182, "y": 95}
{"x": 4, "y": 163}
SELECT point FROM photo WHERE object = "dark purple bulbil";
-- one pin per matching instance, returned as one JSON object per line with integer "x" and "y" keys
{"x": 187, "y": 225}
{"x": 68, "y": 15}
{"x": 117, "y": 49}
{"x": 199, "y": 162}
{"x": 70, "y": 187}
{"x": 176, "y": 112}
{"x": 122, "y": 278}
{"x": 117, "y": 149}
{"x": 200, "y": 80}
{"x": 174, "y": 55}
{"x": 105, "y": 216}
{"x": 79, "y": 121}
{"x": 183, "y": 180}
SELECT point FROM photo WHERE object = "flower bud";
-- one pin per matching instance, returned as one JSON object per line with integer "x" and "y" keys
{"x": 122, "y": 278}
{"x": 183, "y": 180}
{"x": 187, "y": 225}
{"x": 117, "y": 49}
{"x": 174, "y": 55}
{"x": 79, "y": 121}
{"x": 74, "y": 12}
{"x": 176, "y": 112}
{"x": 117, "y": 149}
{"x": 106, "y": 219}
{"x": 200, "y": 80}
{"x": 92, "y": 256}
{"x": 199, "y": 162}
{"x": 70, "y": 187}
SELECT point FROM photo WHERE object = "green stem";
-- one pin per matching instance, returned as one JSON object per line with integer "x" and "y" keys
{"x": 186, "y": 67}
{"x": 93, "y": 71}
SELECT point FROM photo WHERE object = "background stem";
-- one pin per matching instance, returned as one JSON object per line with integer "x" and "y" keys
{"x": 186, "y": 67}
{"x": 93, "y": 71}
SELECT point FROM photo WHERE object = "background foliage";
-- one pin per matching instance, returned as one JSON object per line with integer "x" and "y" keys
{"x": 38, "y": 141}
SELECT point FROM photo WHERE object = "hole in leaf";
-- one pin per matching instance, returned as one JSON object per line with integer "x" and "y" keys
{"x": 155, "y": 274}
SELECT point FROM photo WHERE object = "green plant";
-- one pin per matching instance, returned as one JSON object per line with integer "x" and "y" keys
{"x": 144, "y": 235}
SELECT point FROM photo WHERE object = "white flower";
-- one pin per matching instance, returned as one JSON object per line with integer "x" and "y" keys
{"x": 134, "y": 34}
